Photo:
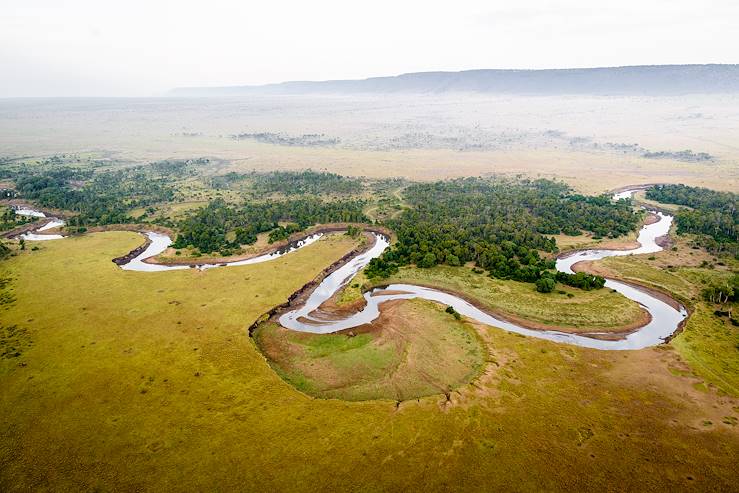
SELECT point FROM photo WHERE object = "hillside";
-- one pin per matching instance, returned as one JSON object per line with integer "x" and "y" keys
{"x": 636, "y": 80}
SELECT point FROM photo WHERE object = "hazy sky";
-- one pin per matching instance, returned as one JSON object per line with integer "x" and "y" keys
{"x": 144, "y": 47}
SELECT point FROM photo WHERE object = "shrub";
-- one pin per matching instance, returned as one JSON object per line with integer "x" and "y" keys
{"x": 545, "y": 285}
{"x": 428, "y": 260}
{"x": 450, "y": 310}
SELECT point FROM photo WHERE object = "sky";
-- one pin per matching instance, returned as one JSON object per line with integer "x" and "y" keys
{"x": 145, "y": 47}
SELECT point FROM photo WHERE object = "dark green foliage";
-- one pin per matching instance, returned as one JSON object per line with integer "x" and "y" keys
{"x": 498, "y": 225}
{"x": 283, "y": 232}
{"x": 581, "y": 280}
{"x": 380, "y": 268}
{"x": 450, "y": 310}
{"x": 206, "y": 228}
{"x": 9, "y": 219}
{"x": 714, "y": 216}
{"x": 353, "y": 231}
{"x": 100, "y": 198}
{"x": 4, "y": 250}
{"x": 307, "y": 182}
{"x": 545, "y": 285}
{"x": 428, "y": 260}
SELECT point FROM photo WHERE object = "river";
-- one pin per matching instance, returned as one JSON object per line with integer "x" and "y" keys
{"x": 665, "y": 319}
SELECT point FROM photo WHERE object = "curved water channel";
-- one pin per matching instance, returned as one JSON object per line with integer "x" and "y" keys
{"x": 665, "y": 319}
{"x": 34, "y": 236}
{"x": 160, "y": 242}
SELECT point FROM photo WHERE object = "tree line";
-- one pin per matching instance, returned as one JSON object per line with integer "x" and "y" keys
{"x": 208, "y": 228}
{"x": 306, "y": 182}
{"x": 500, "y": 226}
{"x": 714, "y": 216}
{"x": 103, "y": 197}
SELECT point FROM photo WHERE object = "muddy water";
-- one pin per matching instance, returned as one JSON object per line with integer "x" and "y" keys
{"x": 160, "y": 242}
{"x": 34, "y": 236}
{"x": 665, "y": 319}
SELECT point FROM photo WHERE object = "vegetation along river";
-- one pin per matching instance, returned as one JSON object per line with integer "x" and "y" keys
{"x": 664, "y": 321}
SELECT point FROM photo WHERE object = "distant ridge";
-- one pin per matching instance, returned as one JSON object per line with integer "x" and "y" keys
{"x": 634, "y": 80}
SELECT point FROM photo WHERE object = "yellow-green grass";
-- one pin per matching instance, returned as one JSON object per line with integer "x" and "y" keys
{"x": 586, "y": 240}
{"x": 413, "y": 350}
{"x": 711, "y": 346}
{"x": 584, "y": 311}
{"x": 170, "y": 254}
{"x": 174, "y": 210}
{"x": 114, "y": 394}
{"x": 641, "y": 198}
{"x": 708, "y": 343}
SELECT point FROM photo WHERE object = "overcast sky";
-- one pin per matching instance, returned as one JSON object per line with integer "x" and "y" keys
{"x": 145, "y": 47}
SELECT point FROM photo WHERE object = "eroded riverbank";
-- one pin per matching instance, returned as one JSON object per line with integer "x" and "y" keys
{"x": 664, "y": 318}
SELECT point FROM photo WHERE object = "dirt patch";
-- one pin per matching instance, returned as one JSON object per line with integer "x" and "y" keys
{"x": 651, "y": 219}
{"x": 664, "y": 241}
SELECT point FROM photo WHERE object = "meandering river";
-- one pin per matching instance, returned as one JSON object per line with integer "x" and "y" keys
{"x": 160, "y": 242}
{"x": 34, "y": 236}
{"x": 665, "y": 319}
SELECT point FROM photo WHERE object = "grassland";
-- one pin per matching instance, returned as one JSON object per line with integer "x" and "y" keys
{"x": 413, "y": 350}
{"x": 586, "y": 240}
{"x": 527, "y": 135}
{"x": 148, "y": 381}
{"x": 710, "y": 344}
{"x": 568, "y": 309}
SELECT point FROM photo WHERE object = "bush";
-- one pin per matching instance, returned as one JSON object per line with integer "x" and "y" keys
{"x": 428, "y": 260}
{"x": 450, "y": 310}
{"x": 353, "y": 231}
{"x": 545, "y": 285}
{"x": 380, "y": 268}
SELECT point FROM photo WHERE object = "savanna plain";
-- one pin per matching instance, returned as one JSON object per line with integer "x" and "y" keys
{"x": 182, "y": 380}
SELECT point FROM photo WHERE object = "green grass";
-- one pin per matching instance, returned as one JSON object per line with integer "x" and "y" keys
{"x": 149, "y": 382}
{"x": 319, "y": 347}
{"x": 415, "y": 350}
{"x": 670, "y": 281}
{"x": 587, "y": 310}
{"x": 711, "y": 346}
{"x": 708, "y": 343}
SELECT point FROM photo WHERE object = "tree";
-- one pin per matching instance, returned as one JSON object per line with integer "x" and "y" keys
{"x": 545, "y": 285}
{"x": 353, "y": 231}
{"x": 428, "y": 260}
{"x": 4, "y": 250}
{"x": 450, "y": 310}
